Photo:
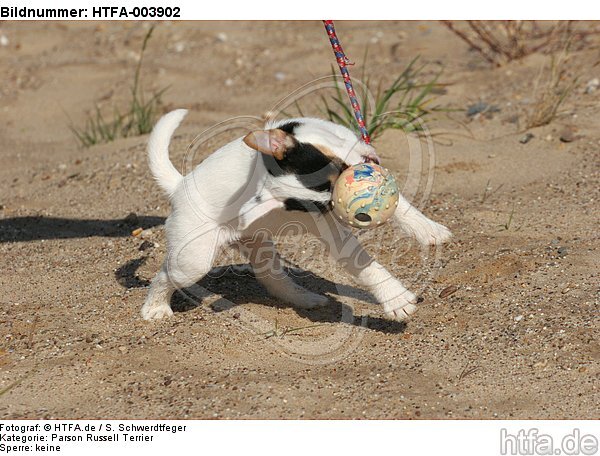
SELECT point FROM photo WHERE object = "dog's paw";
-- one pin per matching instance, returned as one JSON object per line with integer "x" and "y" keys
{"x": 308, "y": 300}
{"x": 400, "y": 307}
{"x": 428, "y": 232}
{"x": 156, "y": 312}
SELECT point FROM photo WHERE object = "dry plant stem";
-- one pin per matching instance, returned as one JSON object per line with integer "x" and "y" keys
{"x": 499, "y": 42}
{"x": 553, "y": 93}
{"x": 470, "y": 42}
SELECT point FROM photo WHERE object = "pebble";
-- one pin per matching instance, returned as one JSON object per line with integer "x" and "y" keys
{"x": 145, "y": 234}
{"x": 562, "y": 252}
{"x": 145, "y": 246}
{"x": 221, "y": 37}
{"x": 448, "y": 291}
{"x": 567, "y": 134}
{"x": 3, "y": 40}
{"x": 482, "y": 108}
{"x": 526, "y": 138}
{"x": 179, "y": 46}
{"x": 592, "y": 85}
{"x": 137, "y": 232}
{"x": 518, "y": 318}
{"x": 280, "y": 76}
{"x": 228, "y": 82}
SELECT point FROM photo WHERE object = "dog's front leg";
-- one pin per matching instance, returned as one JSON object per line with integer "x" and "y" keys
{"x": 414, "y": 223}
{"x": 343, "y": 246}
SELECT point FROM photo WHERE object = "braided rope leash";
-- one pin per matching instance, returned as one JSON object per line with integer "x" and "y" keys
{"x": 342, "y": 62}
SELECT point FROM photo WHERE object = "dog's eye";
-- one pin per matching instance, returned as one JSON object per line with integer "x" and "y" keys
{"x": 362, "y": 217}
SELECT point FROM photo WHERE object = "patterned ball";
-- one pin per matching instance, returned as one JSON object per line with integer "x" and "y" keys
{"x": 365, "y": 195}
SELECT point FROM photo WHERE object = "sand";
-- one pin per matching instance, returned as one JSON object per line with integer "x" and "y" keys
{"x": 516, "y": 335}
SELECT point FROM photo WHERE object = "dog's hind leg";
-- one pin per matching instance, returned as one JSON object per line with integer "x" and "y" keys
{"x": 269, "y": 270}
{"x": 157, "y": 303}
{"x": 189, "y": 258}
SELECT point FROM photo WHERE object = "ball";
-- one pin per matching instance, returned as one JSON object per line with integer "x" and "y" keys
{"x": 365, "y": 195}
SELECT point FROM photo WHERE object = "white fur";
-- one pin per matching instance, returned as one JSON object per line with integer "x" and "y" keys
{"x": 230, "y": 197}
{"x": 158, "y": 151}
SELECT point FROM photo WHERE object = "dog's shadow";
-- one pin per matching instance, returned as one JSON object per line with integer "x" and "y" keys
{"x": 35, "y": 228}
{"x": 237, "y": 285}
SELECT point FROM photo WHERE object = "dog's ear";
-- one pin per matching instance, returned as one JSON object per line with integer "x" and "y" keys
{"x": 270, "y": 142}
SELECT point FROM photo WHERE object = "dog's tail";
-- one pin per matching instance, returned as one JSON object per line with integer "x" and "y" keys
{"x": 161, "y": 167}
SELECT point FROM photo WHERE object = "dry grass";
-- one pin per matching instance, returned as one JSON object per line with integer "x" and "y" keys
{"x": 139, "y": 118}
{"x": 554, "y": 84}
{"x": 499, "y": 42}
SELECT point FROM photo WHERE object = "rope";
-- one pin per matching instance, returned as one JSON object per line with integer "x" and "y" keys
{"x": 342, "y": 61}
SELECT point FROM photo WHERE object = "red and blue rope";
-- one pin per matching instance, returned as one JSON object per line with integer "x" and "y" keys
{"x": 343, "y": 61}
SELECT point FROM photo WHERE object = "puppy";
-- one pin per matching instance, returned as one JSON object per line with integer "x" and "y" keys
{"x": 255, "y": 185}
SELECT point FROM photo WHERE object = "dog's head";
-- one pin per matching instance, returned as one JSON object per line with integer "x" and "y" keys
{"x": 313, "y": 150}
{"x": 288, "y": 137}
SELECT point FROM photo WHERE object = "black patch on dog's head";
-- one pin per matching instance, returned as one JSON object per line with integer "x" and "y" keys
{"x": 289, "y": 127}
{"x": 314, "y": 169}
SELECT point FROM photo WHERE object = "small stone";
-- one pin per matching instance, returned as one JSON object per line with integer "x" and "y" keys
{"x": 145, "y": 246}
{"x": 236, "y": 316}
{"x": 562, "y": 252}
{"x": 518, "y": 318}
{"x": 448, "y": 291}
{"x": 3, "y": 40}
{"x": 221, "y": 37}
{"x": 137, "y": 232}
{"x": 526, "y": 138}
{"x": 482, "y": 108}
{"x": 228, "y": 82}
{"x": 280, "y": 76}
{"x": 179, "y": 47}
{"x": 548, "y": 138}
{"x": 567, "y": 134}
{"x": 145, "y": 234}
{"x": 123, "y": 349}
{"x": 592, "y": 85}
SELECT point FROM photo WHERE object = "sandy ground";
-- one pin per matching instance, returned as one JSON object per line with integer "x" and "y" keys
{"x": 518, "y": 339}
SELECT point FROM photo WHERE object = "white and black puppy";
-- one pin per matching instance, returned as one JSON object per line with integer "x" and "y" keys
{"x": 257, "y": 184}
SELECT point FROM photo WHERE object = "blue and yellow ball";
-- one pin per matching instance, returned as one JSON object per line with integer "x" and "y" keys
{"x": 365, "y": 196}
